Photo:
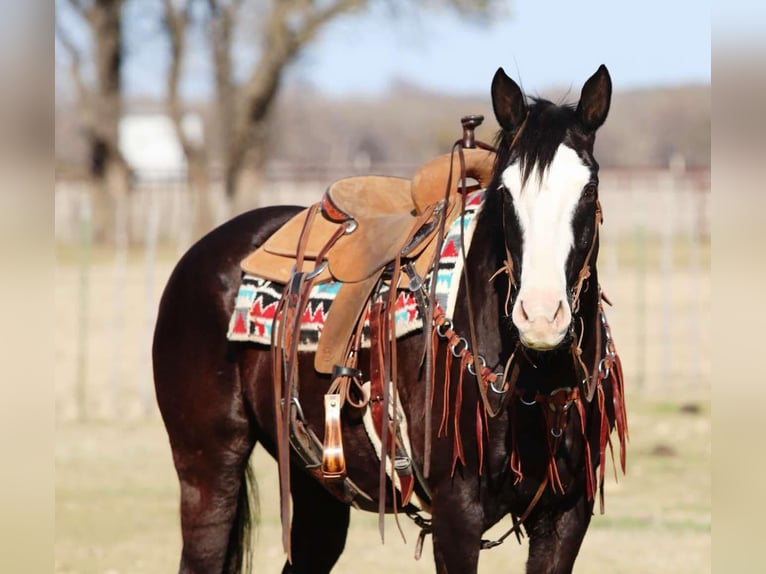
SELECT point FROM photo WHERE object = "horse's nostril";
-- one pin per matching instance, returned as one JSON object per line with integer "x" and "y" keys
{"x": 523, "y": 311}
{"x": 559, "y": 312}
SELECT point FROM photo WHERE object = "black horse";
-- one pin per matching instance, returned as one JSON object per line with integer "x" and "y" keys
{"x": 536, "y": 458}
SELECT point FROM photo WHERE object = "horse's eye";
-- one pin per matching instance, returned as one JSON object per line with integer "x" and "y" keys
{"x": 590, "y": 191}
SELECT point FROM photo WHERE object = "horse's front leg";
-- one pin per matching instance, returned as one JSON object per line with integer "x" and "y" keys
{"x": 457, "y": 527}
{"x": 555, "y": 536}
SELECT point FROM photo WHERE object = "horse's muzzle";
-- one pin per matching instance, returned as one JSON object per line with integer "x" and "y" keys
{"x": 542, "y": 318}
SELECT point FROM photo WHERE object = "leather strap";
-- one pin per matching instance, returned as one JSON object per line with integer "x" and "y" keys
{"x": 517, "y": 522}
{"x": 284, "y": 344}
{"x": 391, "y": 439}
{"x": 585, "y": 271}
{"x": 478, "y": 368}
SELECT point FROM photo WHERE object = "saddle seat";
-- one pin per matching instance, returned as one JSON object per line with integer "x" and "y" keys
{"x": 384, "y": 214}
{"x": 390, "y": 213}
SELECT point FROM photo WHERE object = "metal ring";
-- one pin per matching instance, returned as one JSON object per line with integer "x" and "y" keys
{"x": 601, "y": 369}
{"x": 459, "y": 340}
{"x": 553, "y": 432}
{"x": 351, "y": 226}
{"x": 298, "y": 409}
{"x": 483, "y": 362}
{"x": 523, "y": 402}
{"x": 317, "y": 270}
{"x": 448, "y": 324}
{"x": 494, "y": 389}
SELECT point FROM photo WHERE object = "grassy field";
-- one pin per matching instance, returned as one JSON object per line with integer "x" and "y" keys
{"x": 116, "y": 505}
{"x": 116, "y": 491}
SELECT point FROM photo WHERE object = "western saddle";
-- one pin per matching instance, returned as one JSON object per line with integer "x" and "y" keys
{"x": 379, "y": 217}
{"x": 362, "y": 233}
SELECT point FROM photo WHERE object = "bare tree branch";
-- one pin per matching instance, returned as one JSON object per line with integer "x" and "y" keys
{"x": 100, "y": 106}
{"x": 315, "y": 20}
{"x": 176, "y": 22}
{"x": 224, "y": 17}
{"x": 284, "y": 43}
{"x": 75, "y": 63}
{"x": 83, "y": 10}
{"x": 290, "y": 26}
{"x": 478, "y": 10}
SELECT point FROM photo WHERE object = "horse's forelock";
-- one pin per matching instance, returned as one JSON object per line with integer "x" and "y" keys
{"x": 548, "y": 125}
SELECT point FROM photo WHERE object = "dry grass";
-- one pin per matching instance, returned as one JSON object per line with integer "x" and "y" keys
{"x": 116, "y": 505}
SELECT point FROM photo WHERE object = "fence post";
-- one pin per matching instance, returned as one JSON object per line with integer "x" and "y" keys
{"x": 667, "y": 189}
{"x": 85, "y": 215}
{"x": 145, "y": 394}
{"x": 119, "y": 301}
{"x": 183, "y": 206}
{"x": 694, "y": 238}
{"x": 640, "y": 274}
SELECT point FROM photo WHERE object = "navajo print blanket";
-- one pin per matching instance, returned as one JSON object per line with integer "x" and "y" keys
{"x": 257, "y": 298}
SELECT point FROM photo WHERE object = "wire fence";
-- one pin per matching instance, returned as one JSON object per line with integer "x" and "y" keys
{"x": 654, "y": 264}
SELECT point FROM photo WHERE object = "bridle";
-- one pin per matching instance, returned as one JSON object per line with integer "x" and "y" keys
{"x": 556, "y": 405}
{"x": 507, "y": 268}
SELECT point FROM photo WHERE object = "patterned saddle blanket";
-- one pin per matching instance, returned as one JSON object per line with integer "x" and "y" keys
{"x": 257, "y": 298}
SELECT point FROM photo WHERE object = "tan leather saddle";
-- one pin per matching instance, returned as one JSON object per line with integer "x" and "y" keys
{"x": 388, "y": 216}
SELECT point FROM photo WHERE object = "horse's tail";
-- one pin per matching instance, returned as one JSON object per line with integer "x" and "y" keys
{"x": 239, "y": 554}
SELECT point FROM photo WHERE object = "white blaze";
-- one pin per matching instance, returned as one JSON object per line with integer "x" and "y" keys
{"x": 545, "y": 207}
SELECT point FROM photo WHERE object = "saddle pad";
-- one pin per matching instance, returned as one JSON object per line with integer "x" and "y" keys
{"x": 257, "y": 299}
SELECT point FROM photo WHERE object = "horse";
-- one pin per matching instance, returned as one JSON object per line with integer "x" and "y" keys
{"x": 530, "y": 299}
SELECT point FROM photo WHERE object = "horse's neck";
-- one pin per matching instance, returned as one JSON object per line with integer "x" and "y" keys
{"x": 485, "y": 298}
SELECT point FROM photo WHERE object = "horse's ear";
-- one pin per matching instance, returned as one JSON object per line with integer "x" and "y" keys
{"x": 508, "y": 101}
{"x": 595, "y": 98}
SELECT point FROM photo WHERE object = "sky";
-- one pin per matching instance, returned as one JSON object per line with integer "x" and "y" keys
{"x": 541, "y": 43}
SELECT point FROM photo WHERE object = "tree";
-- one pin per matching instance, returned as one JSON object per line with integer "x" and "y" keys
{"x": 285, "y": 28}
{"x": 99, "y": 102}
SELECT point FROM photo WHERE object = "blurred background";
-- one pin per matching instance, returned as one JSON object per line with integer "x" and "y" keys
{"x": 172, "y": 116}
